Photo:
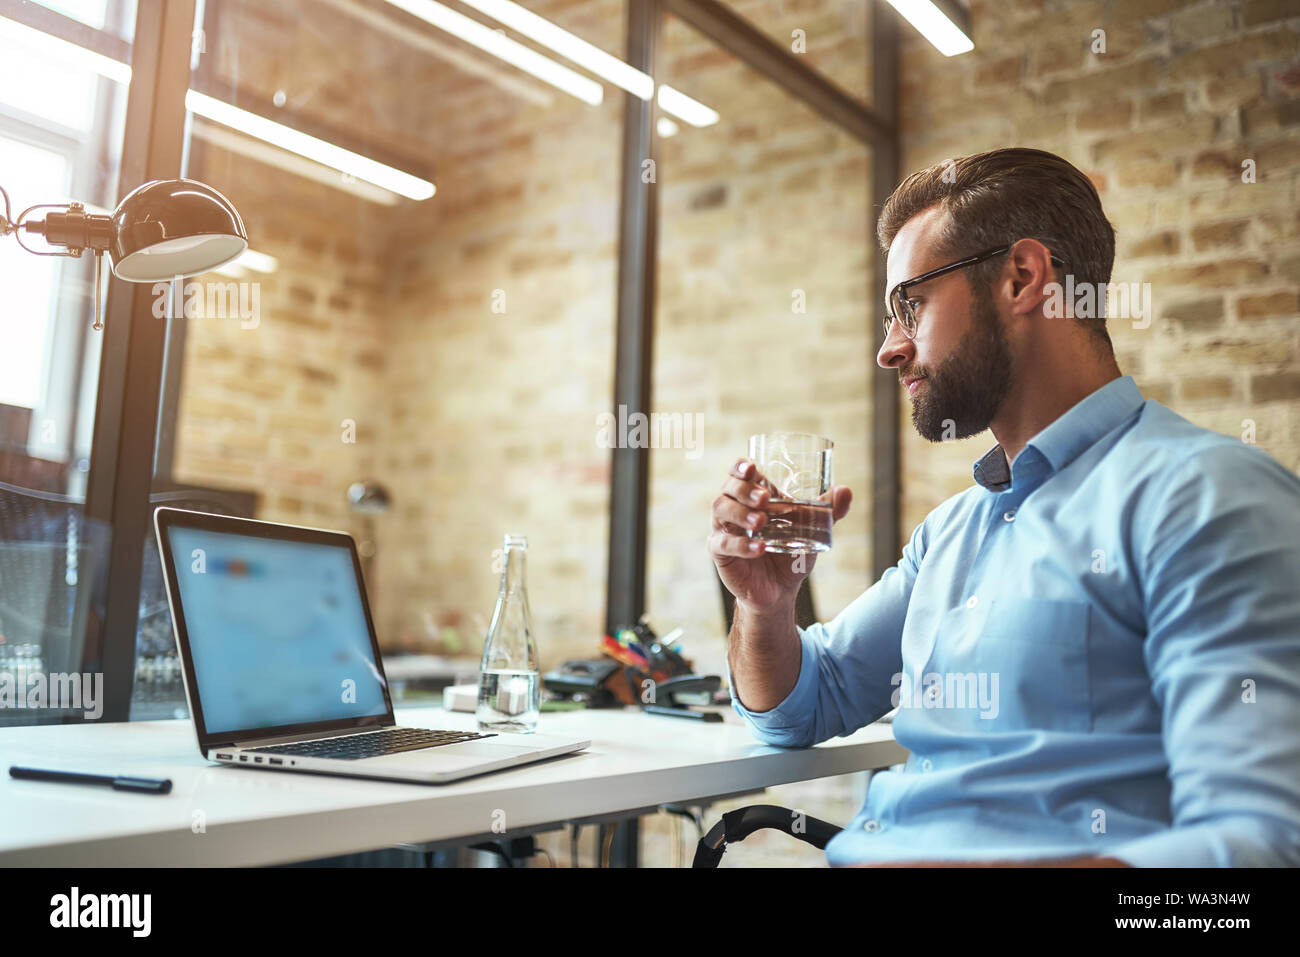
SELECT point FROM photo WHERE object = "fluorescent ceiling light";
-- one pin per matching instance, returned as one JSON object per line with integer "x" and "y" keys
{"x": 933, "y": 24}
{"x": 501, "y": 46}
{"x": 666, "y": 127}
{"x": 445, "y": 49}
{"x": 546, "y": 33}
{"x": 264, "y": 152}
{"x": 298, "y": 142}
{"x": 591, "y": 58}
{"x": 45, "y": 44}
{"x": 387, "y": 179}
{"x": 682, "y": 106}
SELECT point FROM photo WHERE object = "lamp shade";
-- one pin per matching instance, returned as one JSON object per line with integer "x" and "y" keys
{"x": 174, "y": 227}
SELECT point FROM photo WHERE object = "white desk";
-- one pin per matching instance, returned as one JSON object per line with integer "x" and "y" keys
{"x": 253, "y": 817}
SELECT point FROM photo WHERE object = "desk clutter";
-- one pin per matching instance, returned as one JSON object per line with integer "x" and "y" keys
{"x": 637, "y": 668}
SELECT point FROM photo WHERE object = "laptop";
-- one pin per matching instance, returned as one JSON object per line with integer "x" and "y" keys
{"x": 281, "y": 664}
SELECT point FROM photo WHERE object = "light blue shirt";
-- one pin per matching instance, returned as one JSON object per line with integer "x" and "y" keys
{"x": 1095, "y": 652}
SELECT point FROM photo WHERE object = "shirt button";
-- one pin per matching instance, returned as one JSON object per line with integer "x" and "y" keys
{"x": 1009, "y": 516}
{"x": 871, "y": 825}
{"x": 927, "y": 765}
{"x": 972, "y": 601}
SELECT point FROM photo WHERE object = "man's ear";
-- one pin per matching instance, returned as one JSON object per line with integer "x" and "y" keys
{"x": 1028, "y": 271}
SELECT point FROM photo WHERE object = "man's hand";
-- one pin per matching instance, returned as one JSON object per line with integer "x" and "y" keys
{"x": 759, "y": 579}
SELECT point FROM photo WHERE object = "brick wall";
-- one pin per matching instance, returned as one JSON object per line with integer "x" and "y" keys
{"x": 474, "y": 418}
{"x": 264, "y": 401}
{"x": 1162, "y": 121}
{"x": 501, "y": 356}
{"x": 761, "y": 324}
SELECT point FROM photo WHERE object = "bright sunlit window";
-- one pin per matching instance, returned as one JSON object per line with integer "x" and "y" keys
{"x": 31, "y": 175}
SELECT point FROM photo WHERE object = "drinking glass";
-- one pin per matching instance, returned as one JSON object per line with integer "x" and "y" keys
{"x": 795, "y": 468}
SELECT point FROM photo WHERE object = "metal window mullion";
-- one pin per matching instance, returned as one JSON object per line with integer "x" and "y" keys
{"x": 633, "y": 347}
{"x": 629, "y": 490}
{"x": 131, "y": 364}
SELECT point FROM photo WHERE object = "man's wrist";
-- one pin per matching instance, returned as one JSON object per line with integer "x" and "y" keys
{"x": 779, "y": 612}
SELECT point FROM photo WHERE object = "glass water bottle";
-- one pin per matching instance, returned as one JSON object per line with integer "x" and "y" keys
{"x": 510, "y": 682}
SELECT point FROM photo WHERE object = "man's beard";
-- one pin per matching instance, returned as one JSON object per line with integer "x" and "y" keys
{"x": 962, "y": 395}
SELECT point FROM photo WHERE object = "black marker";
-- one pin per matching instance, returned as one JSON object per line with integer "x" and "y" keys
{"x": 143, "y": 785}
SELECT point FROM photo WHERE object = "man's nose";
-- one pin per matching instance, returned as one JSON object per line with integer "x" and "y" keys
{"x": 897, "y": 350}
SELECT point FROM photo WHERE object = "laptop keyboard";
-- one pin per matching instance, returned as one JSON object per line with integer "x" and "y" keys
{"x": 372, "y": 744}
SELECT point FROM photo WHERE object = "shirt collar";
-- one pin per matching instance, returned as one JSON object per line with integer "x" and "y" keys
{"x": 1064, "y": 439}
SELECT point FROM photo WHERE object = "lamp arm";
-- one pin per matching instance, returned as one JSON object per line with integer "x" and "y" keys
{"x": 72, "y": 228}
{"x": 6, "y": 227}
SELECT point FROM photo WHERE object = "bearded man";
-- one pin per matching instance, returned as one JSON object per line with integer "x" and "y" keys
{"x": 1125, "y": 583}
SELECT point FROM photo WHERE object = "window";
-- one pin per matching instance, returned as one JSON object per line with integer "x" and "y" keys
{"x": 61, "y": 123}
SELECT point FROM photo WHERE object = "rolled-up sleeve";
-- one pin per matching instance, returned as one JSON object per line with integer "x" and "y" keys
{"x": 1222, "y": 592}
{"x": 846, "y": 666}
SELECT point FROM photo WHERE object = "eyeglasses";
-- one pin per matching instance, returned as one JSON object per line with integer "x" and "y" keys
{"x": 904, "y": 309}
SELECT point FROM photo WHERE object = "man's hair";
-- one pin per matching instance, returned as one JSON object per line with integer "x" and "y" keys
{"x": 1001, "y": 196}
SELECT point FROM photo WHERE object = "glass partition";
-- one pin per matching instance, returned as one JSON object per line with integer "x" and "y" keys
{"x": 831, "y": 36}
{"x": 62, "y": 106}
{"x": 425, "y": 320}
{"x": 763, "y": 321}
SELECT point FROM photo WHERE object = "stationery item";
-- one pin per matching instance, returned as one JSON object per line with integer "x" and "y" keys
{"x": 710, "y": 717}
{"x": 116, "y": 782}
{"x": 652, "y": 671}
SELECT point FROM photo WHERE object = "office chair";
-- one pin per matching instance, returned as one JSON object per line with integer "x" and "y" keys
{"x": 53, "y": 580}
{"x": 158, "y": 690}
{"x": 53, "y": 561}
{"x": 154, "y": 632}
{"x": 737, "y": 825}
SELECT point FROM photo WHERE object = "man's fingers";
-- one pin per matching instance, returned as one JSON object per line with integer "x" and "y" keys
{"x": 748, "y": 493}
{"x": 726, "y": 510}
{"x": 722, "y": 545}
{"x": 842, "y": 498}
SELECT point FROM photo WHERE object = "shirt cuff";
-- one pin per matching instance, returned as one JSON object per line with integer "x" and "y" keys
{"x": 795, "y": 712}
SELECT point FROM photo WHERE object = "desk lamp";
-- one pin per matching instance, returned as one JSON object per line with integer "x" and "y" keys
{"x": 164, "y": 229}
{"x": 368, "y": 499}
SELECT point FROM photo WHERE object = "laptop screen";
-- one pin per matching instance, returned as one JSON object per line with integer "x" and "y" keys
{"x": 277, "y": 631}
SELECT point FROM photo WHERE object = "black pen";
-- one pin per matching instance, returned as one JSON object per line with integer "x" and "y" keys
{"x": 118, "y": 783}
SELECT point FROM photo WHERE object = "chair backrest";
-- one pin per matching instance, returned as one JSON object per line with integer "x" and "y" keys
{"x": 53, "y": 561}
{"x": 804, "y": 613}
{"x": 154, "y": 631}
{"x": 53, "y": 571}
{"x": 158, "y": 691}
